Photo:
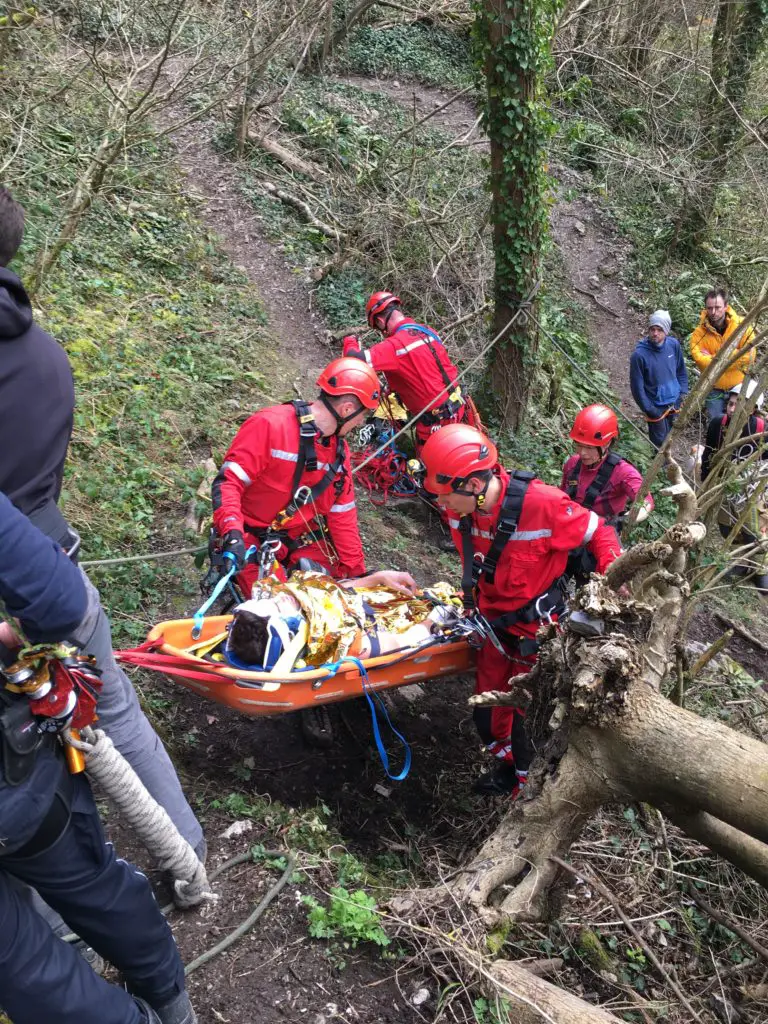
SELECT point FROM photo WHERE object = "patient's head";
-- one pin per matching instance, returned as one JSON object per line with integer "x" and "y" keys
{"x": 261, "y": 630}
{"x": 248, "y": 636}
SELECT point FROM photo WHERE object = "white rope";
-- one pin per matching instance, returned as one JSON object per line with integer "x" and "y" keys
{"x": 149, "y": 821}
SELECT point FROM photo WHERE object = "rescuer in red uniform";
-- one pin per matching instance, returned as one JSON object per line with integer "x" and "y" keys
{"x": 416, "y": 365}
{"x": 285, "y": 486}
{"x": 514, "y": 534}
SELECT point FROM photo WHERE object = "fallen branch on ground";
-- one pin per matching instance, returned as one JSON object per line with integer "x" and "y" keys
{"x": 304, "y": 209}
{"x": 284, "y": 156}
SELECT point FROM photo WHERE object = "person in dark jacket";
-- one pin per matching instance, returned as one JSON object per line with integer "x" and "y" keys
{"x": 52, "y": 839}
{"x": 658, "y": 376}
{"x": 36, "y": 414}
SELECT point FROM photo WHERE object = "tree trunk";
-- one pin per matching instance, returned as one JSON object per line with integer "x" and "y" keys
{"x": 516, "y": 45}
{"x": 739, "y": 35}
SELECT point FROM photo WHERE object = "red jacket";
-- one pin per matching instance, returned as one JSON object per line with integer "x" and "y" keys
{"x": 407, "y": 361}
{"x": 620, "y": 491}
{"x": 256, "y": 478}
{"x": 536, "y": 554}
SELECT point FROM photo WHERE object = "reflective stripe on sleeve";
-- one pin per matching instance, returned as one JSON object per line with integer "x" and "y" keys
{"x": 591, "y": 527}
{"x": 345, "y": 507}
{"x": 238, "y": 471}
{"x": 278, "y": 453}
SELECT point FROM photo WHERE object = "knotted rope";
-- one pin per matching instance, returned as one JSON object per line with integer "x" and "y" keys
{"x": 150, "y": 822}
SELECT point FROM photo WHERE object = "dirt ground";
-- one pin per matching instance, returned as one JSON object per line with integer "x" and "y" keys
{"x": 277, "y": 973}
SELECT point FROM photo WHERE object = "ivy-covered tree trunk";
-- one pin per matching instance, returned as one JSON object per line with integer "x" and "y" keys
{"x": 739, "y": 36}
{"x": 514, "y": 36}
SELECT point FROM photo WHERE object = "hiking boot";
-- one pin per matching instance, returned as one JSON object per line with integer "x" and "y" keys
{"x": 178, "y": 1011}
{"x": 316, "y": 727}
{"x": 500, "y": 781}
{"x": 761, "y": 582}
{"x": 446, "y": 544}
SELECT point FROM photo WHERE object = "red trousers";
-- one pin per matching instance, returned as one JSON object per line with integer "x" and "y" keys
{"x": 285, "y": 560}
{"x": 503, "y": 729}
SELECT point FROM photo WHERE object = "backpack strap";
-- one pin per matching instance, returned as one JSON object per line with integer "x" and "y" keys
{"x": 431, "y": 338}
{"x": 573, "y": 483}
{"x": 511, "y": 511}
{"x": 470, "y": 568}
{"x": 603, "y": 475}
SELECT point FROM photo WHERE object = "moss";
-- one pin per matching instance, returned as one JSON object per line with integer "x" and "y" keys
{"x": 593, "y": 952}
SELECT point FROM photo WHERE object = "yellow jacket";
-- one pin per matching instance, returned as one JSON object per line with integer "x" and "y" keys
{"x": 706, "y": 343}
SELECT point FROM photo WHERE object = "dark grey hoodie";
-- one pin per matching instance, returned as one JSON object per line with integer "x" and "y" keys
{"x": 37, "y": 400}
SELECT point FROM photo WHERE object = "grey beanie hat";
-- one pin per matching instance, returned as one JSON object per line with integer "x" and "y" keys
{"x": 661, "y": 318}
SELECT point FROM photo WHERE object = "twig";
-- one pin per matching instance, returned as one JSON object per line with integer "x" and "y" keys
{"x": 594, "y": 881}
{"x": 599, "y": 302}
{"x": 714, "y": 649}
{"x": 742, "y": 632}
{"x": 726, "y": 922}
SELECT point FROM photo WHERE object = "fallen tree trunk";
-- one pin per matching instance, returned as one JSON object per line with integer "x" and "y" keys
{"x": 285, "y": 156}
{"x": 532, "y": 999}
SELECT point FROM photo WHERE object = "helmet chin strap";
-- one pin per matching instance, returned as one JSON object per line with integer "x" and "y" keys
{"x": 478, "y": 496}
{"x": 341, "y": 421}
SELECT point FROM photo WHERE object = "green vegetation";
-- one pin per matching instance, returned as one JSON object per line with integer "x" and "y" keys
{"x": 427, "y": 53}
{"x": 349, "y": 919}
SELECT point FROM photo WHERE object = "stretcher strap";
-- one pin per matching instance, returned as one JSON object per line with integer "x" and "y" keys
{"x": 373, "y": 699}
{"x": 170, "y": 664}
{"x": 222, "y": 584}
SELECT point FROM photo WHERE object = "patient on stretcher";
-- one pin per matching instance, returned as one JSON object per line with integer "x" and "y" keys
{"x": 312, "y": 619}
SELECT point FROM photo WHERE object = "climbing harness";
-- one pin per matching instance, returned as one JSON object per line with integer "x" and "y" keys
{"x": 475, "y": 567}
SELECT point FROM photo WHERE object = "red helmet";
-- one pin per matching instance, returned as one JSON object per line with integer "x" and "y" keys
{"x": 454, "y": 453}
{"x": 595, "y": 426}
{"x": 379, "y": 303}
{"x": 350, "y": 376}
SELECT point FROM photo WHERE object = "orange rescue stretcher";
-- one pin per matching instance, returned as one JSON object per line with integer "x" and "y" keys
{"x": 170, "y": 649}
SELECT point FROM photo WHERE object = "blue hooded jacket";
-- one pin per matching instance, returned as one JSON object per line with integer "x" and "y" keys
{"x": 658, "y": 376}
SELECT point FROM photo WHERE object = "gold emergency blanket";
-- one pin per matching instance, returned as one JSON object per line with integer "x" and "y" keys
{"x": 336, "y": 616}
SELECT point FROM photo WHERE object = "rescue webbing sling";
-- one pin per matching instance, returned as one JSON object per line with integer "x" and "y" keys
{"x": 452, "y": 404}
{"x": 473, "y": 569}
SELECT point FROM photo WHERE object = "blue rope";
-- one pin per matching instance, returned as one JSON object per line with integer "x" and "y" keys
{"x": 373, "y": 698}
{"x": 221, "y": 585}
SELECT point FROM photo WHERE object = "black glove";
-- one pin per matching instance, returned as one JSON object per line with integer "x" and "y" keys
{"x": 233, "y": 546}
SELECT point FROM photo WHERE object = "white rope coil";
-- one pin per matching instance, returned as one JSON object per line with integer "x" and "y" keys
{"x": 149, "y": 821}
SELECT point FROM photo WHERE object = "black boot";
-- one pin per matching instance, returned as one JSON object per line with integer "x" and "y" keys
{"x": 761, "y": 582}
{"x": 178, "y": 1011}
{"x": 500, "y": 781}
